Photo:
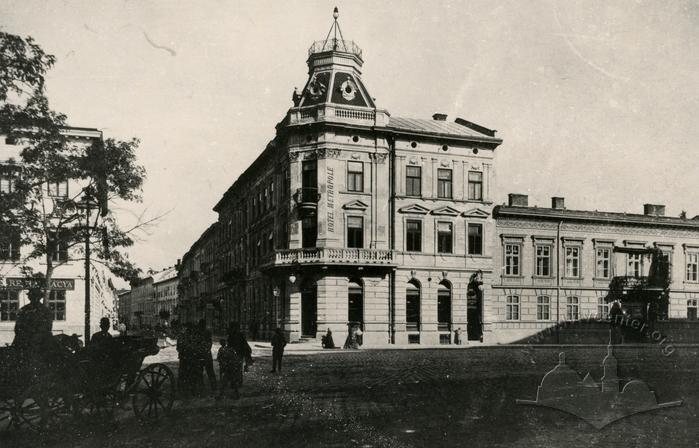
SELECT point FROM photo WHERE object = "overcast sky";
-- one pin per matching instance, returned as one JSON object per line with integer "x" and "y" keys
{"x": 596, "y": 101}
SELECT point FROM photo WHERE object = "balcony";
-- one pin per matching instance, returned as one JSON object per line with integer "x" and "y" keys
{"x": 345, "y": 46}
{"x": 307, "y": 199}
{"x": 334, "y": 256}
{"x": 630, "y": 288}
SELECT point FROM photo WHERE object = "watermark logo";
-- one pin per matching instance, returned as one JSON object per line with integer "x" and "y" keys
{"x": 598, "y": 403}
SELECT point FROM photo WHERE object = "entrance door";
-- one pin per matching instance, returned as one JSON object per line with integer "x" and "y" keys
{"x": 355, "y": 304}
{"x": 309, "y": 310}
{"x": 474, "y": 313}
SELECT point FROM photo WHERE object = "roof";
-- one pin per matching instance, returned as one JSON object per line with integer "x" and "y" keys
{"x": 436, "y": 127}
{"x": 166, "y": 274}
{"x": 587, "y": 215}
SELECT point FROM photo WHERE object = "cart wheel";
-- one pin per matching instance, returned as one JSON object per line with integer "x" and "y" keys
{"x": 8, "y": 414}
{"x": 153, "y": 392}
{"x": 43, "y": 407}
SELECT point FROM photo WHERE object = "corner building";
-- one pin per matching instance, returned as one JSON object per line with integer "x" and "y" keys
{"x": 351, "y": 215}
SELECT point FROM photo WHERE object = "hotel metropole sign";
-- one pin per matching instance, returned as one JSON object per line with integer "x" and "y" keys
{"x": 57, "y": 284}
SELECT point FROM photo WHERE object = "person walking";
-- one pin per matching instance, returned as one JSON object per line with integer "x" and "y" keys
{"x": 231, "y": 370}
{"x": 204, "y": 343}
{"x": 237, "y": 341}
{"x": 278, "y": 344}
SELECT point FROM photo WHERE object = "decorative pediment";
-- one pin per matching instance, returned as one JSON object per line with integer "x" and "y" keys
{"x": 355, "y": 205}
{"x": 476, "y": 213}
{"x": 414, "y": 208}
{"x": 445, "y": 211}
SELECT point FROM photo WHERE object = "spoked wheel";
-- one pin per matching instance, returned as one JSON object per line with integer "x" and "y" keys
{"x": 8, "y": 414}
{"x": 153, "y": 392}
{"x": 43, "y": 407}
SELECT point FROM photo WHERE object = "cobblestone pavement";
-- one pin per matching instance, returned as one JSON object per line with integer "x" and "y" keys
{"x": 409, "y": 398}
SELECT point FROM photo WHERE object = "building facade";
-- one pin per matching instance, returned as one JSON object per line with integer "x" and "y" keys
{"x": 67, "y": 296}
{"x": 556, "y": 265}
{"x": 151, "y": 301}
{"x": 351, "y": 216}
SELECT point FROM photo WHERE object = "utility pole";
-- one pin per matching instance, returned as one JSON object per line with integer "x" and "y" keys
{"x": 87, "y": 268}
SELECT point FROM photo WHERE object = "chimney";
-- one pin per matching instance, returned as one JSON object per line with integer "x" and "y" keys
{"x": 653, "y": 210}
{"x": 439, "y": 117}
{"x": 517, "y": 200}
{"x": 558, "y": 203}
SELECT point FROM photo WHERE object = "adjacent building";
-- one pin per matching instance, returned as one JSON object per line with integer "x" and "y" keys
{"x": 67, "y": 296}
{"x": 557, "y": 265}
{"x": 151, "y": 301}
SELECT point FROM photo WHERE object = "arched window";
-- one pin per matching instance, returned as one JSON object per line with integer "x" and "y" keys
{"x": 444, "y": 306}
{"x": 412, "y": 306}
{"x": 355, "y": 302}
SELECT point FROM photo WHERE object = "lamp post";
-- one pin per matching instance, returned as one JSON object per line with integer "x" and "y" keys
{"x": 88, "y": 204}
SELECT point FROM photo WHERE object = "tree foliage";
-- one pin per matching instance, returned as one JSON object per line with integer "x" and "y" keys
{"x": 100, "y": 171}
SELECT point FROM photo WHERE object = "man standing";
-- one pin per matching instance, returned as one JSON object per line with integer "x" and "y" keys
{"x": 34, "y": 324}
{"x": 278, "y": 344}
{"x": 102, "y": 337}
{"x": 204, "y": 344}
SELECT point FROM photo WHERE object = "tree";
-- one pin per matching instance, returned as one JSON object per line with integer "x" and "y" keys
{"x": 50, "y": 222}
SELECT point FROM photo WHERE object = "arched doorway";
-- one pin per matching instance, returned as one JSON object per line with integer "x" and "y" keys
{"x": 355, "y": 303}
{"x": 444, "y": 310}
{"x": 412, "y": 306}
{"x": 309, "y": 309}
{"x": 474, "y": 303}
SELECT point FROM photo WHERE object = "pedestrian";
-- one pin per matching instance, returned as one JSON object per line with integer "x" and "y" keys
{"x": 237, "y": 341}
{"x": 327, "y": 340}
{"x": 189, "y": 363}
{"x": 231, "y": 370}
{"x": 204, "y": 343}
{"x": 278, "y": 344}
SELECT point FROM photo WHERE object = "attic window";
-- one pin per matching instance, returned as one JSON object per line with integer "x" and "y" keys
{"x": 445, "y": 147}
{"x": 413, "y": 144}
{"x": 475, "y": 150}
{"x": 355, "y": 139}
{"x": 10, "y": 141}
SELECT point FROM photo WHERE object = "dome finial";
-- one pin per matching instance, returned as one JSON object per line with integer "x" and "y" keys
{"x": 336, "y": 13}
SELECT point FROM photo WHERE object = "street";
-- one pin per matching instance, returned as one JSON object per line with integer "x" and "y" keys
{"x": 407, "y": 398}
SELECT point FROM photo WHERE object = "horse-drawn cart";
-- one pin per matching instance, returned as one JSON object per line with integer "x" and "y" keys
{"x": 68, "y": 381}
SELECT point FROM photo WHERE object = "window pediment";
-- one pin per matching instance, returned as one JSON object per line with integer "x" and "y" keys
{"x": 355, "y": 205}
{"x": 445, "y": 211}
{"x": 415, "y": 209}
{"x": 476, "y": 213}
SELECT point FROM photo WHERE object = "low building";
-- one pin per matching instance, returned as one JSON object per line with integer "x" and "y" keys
{"x": 558, "y": 265}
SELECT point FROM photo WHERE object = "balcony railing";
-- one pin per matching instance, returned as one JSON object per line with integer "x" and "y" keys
{"x": 333, "y": 256}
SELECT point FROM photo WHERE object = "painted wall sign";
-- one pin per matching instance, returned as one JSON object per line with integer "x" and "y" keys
{"x": 330, "y": 195}
{"x": 65, "y": 284}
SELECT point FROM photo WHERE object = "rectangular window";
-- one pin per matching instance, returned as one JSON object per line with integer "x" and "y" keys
{"x": 9, "y": 247}
{"x": 603, "y": 262}
{"x": 602, "y": 308}
{"x": 413, "y": 236}
{"x": 413, "y": 181}
{"x": 543, "y": 261}
{"x": 634, "y": 265}
{"x": 355, "y": 231}
{"x": 58, "y": 247}
{"x": 355, "y": 176}
{"x": 572, "y": 308}
{"x": 572, "y": 262}
{"x": 543, "y": 308}
{"x": 512, "y": 259}
{"x": 57, "y": 304}
{"x": 475, "y": 239}
{"x": 475, "y": 186}
{"x": 58, "y": 189}
{"x": 7, "y": 183}
{"x": 512, "y": 308}
{"x": 444, "y": 237}
{"x": 692, "y": 267}
{"x": 692, "y": 309}
{"x": 444, "y": 183}
{"x": 9, "y": 305}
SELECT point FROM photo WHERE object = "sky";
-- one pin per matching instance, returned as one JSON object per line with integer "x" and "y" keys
{"x": 596, "y": 101}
